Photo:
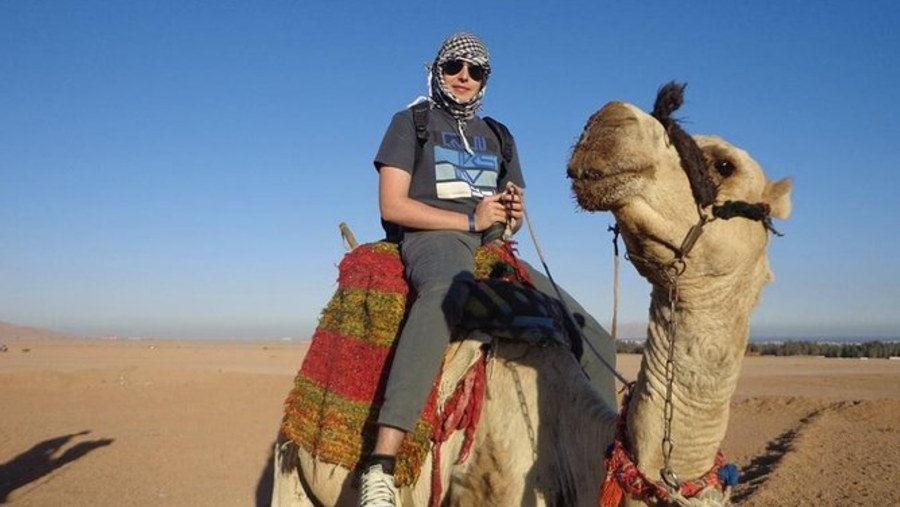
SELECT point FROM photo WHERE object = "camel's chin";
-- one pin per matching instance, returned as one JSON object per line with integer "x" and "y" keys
{"x": 595, "y": 192}
{"x": 591, "y": 195}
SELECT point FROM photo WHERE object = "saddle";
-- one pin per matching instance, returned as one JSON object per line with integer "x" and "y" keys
{"x": 332, "y": 410}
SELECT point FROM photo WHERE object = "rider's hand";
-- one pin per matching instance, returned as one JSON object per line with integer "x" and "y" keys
{"x": 489, "y": 210}
{"x": 513, "y": 201}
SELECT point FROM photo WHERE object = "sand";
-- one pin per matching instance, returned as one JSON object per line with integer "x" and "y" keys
{"x": 191, "y": 423}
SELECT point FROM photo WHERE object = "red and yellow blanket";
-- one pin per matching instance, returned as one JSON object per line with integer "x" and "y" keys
{"x": 332, "y": 409}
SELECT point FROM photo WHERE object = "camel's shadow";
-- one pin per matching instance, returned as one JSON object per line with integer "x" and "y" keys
{"x": 39, "y": 461}
{"x": 758, "y": 471}
{"x": 266, "y": 480}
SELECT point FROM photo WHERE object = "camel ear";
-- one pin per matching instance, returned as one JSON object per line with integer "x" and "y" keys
{"x": 778, "y": 196}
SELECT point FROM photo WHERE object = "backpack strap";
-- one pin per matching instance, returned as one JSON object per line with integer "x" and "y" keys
{"x": 394, "y": 233}
{"x": 504, "y": 136}
{"x": 420, "y": 120}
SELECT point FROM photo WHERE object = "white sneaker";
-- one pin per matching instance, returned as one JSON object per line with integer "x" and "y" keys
{"x": 377, "y": 489}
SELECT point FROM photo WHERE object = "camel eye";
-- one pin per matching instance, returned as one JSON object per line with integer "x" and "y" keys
{"x": 724, "y": 167}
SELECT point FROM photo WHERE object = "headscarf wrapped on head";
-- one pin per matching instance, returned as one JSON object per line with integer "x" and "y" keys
{"x": 469, "y": 48}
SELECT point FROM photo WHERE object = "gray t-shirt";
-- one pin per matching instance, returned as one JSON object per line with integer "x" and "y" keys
{"x": 445, "y": 175}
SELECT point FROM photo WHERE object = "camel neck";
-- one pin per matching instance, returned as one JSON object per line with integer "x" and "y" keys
{"x": 709, "y": 344}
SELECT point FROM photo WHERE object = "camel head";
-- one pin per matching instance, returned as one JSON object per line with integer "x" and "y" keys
{"x": 658, "y": 182}
{"x": 695, "y": 215}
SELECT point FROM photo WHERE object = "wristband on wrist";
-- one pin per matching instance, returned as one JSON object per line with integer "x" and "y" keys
{"x": 472, "y": 222}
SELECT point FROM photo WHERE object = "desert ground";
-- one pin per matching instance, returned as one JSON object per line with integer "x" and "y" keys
{"x": 191, "y": 423}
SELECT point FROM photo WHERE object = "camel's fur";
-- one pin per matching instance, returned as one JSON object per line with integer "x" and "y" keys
{"x": 622, "y": 163}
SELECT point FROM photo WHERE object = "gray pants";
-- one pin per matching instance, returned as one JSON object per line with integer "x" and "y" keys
{"x": 440, "y": 266}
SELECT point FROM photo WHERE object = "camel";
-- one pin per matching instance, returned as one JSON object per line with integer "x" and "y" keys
{"x": 694, "y": 214}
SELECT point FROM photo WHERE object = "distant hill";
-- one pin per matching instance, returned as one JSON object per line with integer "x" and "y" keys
{"x": 14, "y": 332}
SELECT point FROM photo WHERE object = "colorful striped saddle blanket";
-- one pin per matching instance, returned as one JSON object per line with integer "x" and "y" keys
{"x": 332, "y": 408}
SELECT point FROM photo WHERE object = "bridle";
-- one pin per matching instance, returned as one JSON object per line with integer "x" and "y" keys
{"x": 669, "y": 98}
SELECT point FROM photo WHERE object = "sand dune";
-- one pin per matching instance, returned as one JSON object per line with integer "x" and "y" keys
{"x": 190, "y": 423}
{"x": 14, "y": 333}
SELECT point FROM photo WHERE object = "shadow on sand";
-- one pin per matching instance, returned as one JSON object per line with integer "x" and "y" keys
{"x": 266, "y": 480}
{"x": 758, "y": 470}
{"x": 39, "y": 461}
{"x": 756, "y": 473}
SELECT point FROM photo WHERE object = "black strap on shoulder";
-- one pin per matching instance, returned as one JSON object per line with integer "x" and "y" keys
{"x": 420, "y": 120}
{"x": 504, "y": 136}
{"x": 394, "y": 233}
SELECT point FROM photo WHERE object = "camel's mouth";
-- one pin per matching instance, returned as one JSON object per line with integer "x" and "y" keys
{"x": 603, "y": 189}
{"x": 607, "y": 163}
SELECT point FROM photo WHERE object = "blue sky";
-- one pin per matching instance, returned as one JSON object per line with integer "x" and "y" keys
{"x": 179, "y": 168}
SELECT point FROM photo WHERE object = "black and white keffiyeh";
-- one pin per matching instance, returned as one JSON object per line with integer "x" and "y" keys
{"x": 468, "y": 48}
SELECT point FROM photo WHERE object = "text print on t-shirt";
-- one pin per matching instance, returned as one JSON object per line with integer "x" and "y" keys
{"x": 460, "y": 175}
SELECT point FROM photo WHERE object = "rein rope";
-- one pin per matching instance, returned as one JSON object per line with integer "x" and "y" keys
{"x": 568, "y": 312}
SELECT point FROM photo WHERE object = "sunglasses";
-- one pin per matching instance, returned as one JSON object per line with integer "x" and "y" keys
{"x": 454, "y": 67}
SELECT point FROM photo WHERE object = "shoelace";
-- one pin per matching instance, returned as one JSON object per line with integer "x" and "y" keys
{"x": 377, "y": 490}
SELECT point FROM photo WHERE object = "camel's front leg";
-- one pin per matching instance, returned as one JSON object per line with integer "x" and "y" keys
{"x": 287, "y": 491}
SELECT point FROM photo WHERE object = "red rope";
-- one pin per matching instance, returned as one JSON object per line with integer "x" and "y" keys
{"x": 461, "y": 412}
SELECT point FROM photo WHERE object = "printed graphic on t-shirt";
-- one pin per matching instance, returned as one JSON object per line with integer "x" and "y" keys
{"x": 460, "y": 175}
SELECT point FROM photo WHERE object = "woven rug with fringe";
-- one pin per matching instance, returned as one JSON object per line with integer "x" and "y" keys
{"x": 332, "y": 409}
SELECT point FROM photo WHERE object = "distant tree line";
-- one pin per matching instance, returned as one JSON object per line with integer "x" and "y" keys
{"x": 873, "y": 349}
{"x": 629, "y": 347}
